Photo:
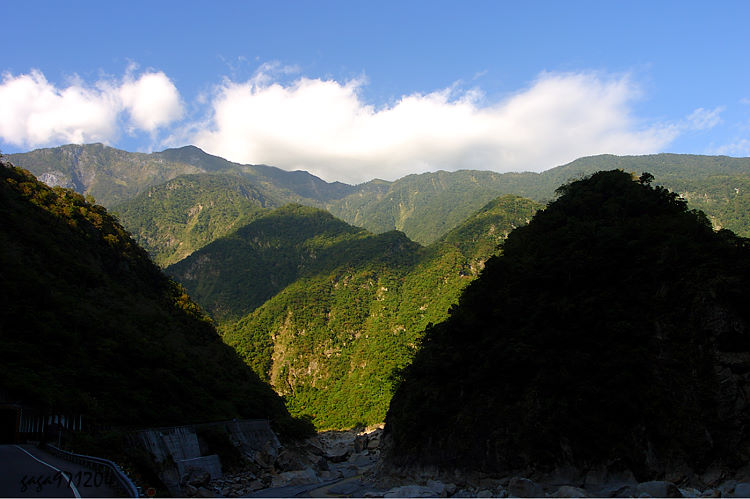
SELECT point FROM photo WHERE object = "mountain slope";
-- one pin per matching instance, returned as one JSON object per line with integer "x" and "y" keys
{"x": 90, "y": 325}
{"x": 330, "y": 340}
{"x": 612, "y": 331}
{"x": 239, "y": 272}
{"x": 174, "y": 219}
{"x": 113, "y": 176}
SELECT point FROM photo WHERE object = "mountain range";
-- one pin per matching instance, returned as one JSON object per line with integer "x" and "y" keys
{"x": 325, "y": 289}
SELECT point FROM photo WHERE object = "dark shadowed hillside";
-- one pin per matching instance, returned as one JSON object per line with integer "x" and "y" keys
{"x": 90, "y": 325}
{"x": 613, "y": 330}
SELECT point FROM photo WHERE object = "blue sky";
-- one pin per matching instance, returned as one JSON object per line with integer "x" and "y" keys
{"x": 356, "y": 90}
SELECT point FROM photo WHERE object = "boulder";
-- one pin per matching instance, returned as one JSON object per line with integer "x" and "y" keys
{"x": 690, "y": 492}
{"x": 742, "y": 490}
{"x": 523, "y": 487}
{"x": 196, "y": 477}
{"x": 727, "y": 488}
{"x": 438, "y": 487}
{"x": 204, "y": 492}
{"x": 338, "y": 454}
{"x": 300, "y": 477}
{"x": 570, "y": 491}
{"x": 659, "y": 488}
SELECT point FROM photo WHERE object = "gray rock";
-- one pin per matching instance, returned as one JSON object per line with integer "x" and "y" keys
{"x": 196, "y": 477}
{"x": 255, "y": 485}
{"x": 410, "y": 491}
{"x": 204, "y": 492}
{"x": 338, "y": 454}
{"x": 361, "y": 460}
{"x": 569, "y": 491}
{"x": 690, "y": 492}
{"x": 659, "y": 488}
{"x": 742, "y": 490}
{"x": 485, "y": 493}
{"x": 190, "y": 490}
{"x": 523, "y": 487}
{"x": 622, "y": 491}
{"x": 300, "y": 477}
{"x": 360, "y": 443}
{"x": 373, "y": 444}
{"x": 438, "y": 487}
{"x": 711, "y": 493}
{"x": 727, "y": 488}
{"x": 345, "y": 488}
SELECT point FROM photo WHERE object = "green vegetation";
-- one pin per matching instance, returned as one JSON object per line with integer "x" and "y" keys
{"x": 425, "y": 207}
{"x": 174, "y": 219}
{"x": 89, "y": 325}
{"x": 354, "y": 308}
{"x": 597, "y": 337}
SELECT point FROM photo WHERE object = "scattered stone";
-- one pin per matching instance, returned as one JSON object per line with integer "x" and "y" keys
{"x": 485, "y": 493}
{"x": 372, "y": 493}
{"x": 204, "y": 492}
{"x": 523, "y": 487}
{"x": 659, "y": 488}
{"x": 190, "y": 490}
{"x": 373, "y": 444}
{"x": 711, "y": 493}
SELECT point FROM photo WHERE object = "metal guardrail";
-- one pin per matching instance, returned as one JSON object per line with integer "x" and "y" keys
{"x": 113, "y": 474}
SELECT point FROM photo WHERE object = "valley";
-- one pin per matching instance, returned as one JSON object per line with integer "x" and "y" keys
{"x": 465, "y": 305}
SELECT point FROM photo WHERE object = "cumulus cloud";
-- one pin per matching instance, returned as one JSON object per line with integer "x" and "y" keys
{"x": 152, "y": 101}
{"x": 325, "y": 127}
{"x": 34, "y": 112}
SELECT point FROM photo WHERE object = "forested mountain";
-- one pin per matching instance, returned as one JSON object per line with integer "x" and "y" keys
{"x": 174, "y": 219}
{"x": 424, "y": 207}
{"x": 91, "y": 326}
{"x": 611, "y": 331}
{"x": 113, "y": 176}
{"x": 355, "y": 304}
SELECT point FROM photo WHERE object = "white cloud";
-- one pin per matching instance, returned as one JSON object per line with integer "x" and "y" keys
{"x": 704, "y": 119}
{"x": 152, "y": 101}
{"x": 34, "y": 112}
{"x": 324, "y": 126}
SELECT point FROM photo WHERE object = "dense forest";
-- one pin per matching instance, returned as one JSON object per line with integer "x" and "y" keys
{"x": 613, "y": 329}
{"x": 325, "y": 289}
{"x": 327, "y": 311}
{"x": 89, "y": 325}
